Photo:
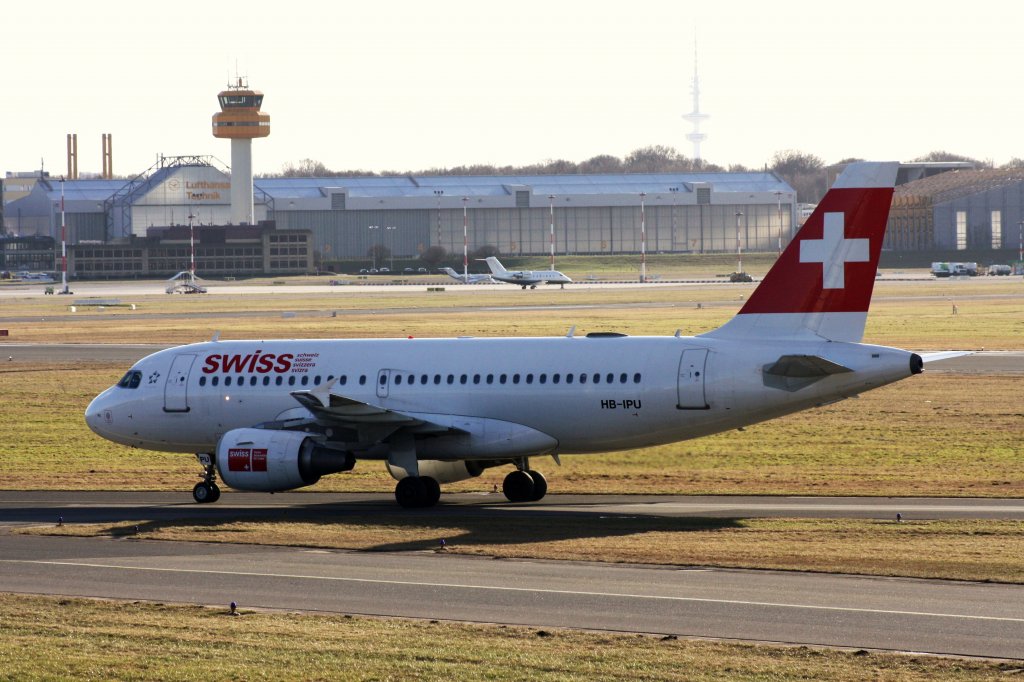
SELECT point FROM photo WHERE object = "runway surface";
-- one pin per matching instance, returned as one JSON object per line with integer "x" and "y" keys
{"x": 931, "y": 616}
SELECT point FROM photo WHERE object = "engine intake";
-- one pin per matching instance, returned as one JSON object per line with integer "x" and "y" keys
{"x": 272, "y": 461}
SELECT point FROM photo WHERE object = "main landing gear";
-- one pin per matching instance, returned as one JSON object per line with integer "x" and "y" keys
{"x": 206, "y": 491}
{"x": 524, "y": 485}
{"x": 417, "y": 491}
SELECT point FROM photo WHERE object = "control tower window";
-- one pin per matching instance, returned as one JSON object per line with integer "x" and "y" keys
{"x": 240, "y": 101}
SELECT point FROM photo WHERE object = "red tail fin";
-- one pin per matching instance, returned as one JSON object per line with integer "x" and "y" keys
{"x": 822, "y": 283}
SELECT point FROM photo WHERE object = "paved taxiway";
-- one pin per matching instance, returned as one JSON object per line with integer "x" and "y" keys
{"x": 835, "y": 610}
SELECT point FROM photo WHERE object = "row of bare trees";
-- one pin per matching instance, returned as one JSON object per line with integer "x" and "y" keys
{"x": 804, "y": 172}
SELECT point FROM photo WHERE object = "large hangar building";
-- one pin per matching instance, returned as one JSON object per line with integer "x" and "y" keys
{"x": 347, "y": 216}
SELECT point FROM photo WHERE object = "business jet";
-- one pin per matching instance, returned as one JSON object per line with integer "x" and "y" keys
{"x": 524, "y": 278}
{"x": 467, "y": 279}
{"x": 278, "y": 415}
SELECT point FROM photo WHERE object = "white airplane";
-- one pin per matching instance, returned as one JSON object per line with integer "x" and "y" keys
{"x": 467, "y": 279}
{"x": 278, "y": 415}
{"x": 524, "y": 278}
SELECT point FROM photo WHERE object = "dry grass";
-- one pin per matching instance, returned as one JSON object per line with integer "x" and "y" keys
{"x": 50, "y": 638}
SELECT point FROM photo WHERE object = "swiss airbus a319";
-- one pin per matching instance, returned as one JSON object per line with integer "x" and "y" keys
{"x": 278, "y": 415}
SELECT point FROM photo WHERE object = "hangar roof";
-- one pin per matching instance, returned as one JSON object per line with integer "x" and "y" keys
{"x": 502, "y": 185}
{"x": 956, "y": 184}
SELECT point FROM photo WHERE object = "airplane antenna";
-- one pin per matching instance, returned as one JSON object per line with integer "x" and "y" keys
{"x": 216, "y": 337}
{"x": 679, "y": 332}
{"x": 572, "y": 330}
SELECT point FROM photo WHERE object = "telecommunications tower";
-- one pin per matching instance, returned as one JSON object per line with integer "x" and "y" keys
{"x": 240, "y": 120}
{"x": 695, "y": 117}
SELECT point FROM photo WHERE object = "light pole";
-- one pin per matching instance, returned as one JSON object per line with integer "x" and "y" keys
{"x": 438, "y": 193}
{"x": 778, "y": 198}
{"x": 63, "y": 244}
{"x": 643, "y": 239}
{"x": 551, "y": 209}
{"x": 465, "y": 241}
{"x": 391, "y": 244}
{"x": 739, "y": 247}
{"x": 373, "y": 249}
{"x": 191, "y": 248}
{"x": 674, "y": 191}
{"x": 1020, "y": 244}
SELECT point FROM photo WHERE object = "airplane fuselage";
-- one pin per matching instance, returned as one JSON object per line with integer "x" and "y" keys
{"x": 586, "y": 394}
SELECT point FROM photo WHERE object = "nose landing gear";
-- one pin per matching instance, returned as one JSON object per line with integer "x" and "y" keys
{"x": 206, "y": 491}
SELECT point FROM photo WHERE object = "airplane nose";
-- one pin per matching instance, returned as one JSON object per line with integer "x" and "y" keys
{"x": 97, "y": 416}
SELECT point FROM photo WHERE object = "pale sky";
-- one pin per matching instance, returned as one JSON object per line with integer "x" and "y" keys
{"x": 410, "y": 85}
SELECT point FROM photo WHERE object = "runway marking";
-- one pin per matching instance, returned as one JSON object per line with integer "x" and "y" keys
{"x": 495, "y": 588}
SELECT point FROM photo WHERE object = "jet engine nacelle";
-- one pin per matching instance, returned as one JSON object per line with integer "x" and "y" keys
{"x": 446, "y": 472}
{"x": 271, "y": 461}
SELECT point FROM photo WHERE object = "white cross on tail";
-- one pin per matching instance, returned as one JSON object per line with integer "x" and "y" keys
{"x": 834, "y": 251}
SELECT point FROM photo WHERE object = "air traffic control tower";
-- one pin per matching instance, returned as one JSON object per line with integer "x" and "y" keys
{"x": 240, "y": 120}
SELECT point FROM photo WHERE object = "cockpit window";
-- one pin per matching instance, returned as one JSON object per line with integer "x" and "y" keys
{"x": 131, "y": 380}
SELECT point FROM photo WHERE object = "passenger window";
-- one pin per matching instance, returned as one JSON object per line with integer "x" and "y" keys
{"x": 329, "y": 377}
{"x": 266, "y": 381}
{"x": 437, "y": 379}
{"x": 529, "y": 378}
{"x": 305, "y": 380}
{"x": 451, "y": 379}
{"x": 215, "y": 381}
{"x": 279, "y": 380}
{"x": 227, "y": 381}
{"x": 241, "y": 381}
{"x": 636, "y": 378}
{"x": 503, "y": 378}
{"x": 490, "y": 378}
{"x": 202, "y": 381}
{"x": 362, "y": 379}
{"x": 597, "y": 378}
{"x": 515, "y": 378}
{"x": 316, "y": 380}
{"x": 291, "y": 380}
{"x": 423, "y": 379}
{"x": 583, "y": 378}
{"x": 622, "y": 378}
{"x": 463, "y": 379}
{"x": 568, "y": 378}
{"x": 556, "y": 377}
{"x": 543, "y": 378}
{"x": 476, "y": 378}
{"x": 610, "y": 379}
{"x": 398, "y": 380}
{"x": 343, "y": 379}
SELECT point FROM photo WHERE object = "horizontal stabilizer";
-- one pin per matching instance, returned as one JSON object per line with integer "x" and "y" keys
{"x": 804, "y": 367}
{"x": 944, "y": 355}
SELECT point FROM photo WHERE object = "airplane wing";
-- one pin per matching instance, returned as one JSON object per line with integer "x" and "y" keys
{"x": 372, "y": 423}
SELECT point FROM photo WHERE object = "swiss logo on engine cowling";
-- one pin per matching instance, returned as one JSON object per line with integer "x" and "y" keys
{"x": 247, "y": 459}
{"x": 240, "y": 459}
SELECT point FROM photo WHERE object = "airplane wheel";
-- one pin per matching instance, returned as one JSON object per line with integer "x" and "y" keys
{"x": 540, "y": 485}
{"x": 203, "y": 493}
{"x": 433, "y": 491}
{"x": 518, "y": 486}
{"x": 417, "y": 491}
{"x": 214, "y": 493}
{"x": 410, "y": 491}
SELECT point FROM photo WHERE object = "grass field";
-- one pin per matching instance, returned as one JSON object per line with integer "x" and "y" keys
{"x": 49, "y": 638}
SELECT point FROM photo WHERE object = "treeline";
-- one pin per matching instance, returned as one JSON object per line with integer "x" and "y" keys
{"x": 804, "y": 172}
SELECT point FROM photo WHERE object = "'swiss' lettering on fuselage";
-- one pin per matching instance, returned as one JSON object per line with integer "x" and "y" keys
{"x": 252, "y": 362}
